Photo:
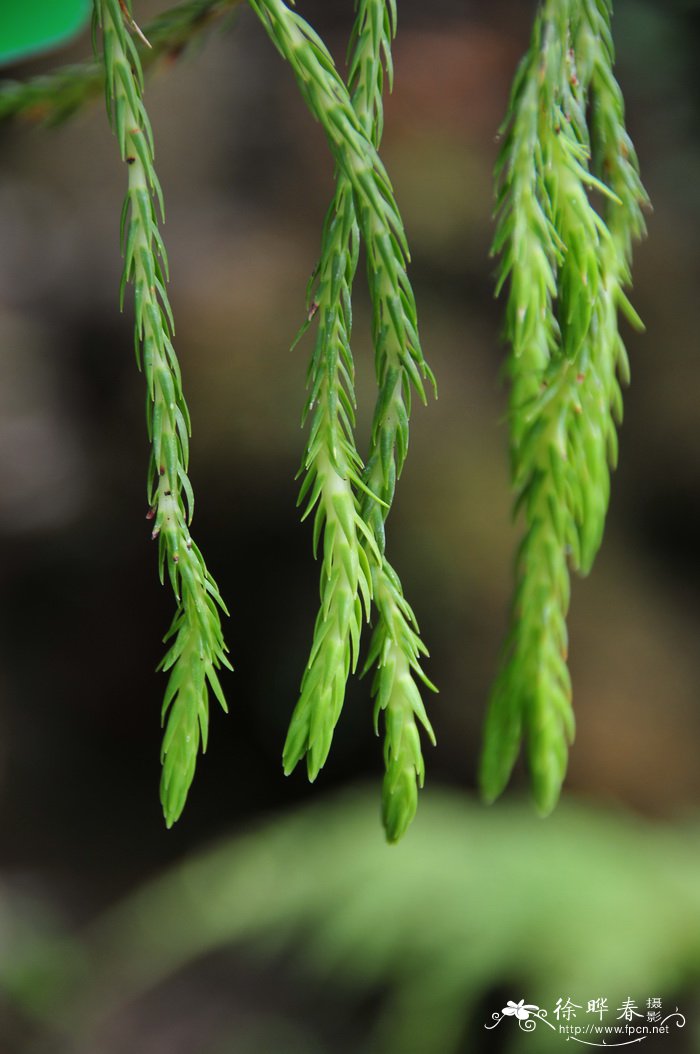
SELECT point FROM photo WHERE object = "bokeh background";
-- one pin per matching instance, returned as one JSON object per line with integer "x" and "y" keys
{"x": 304, "y": 932}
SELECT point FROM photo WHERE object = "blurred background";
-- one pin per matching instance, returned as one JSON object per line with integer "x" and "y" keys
{"x": 304, "y": 932}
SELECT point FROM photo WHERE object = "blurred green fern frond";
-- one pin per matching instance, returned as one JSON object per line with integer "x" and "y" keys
{"x": 566, "y": 263}
{"x": 589, "y": 902}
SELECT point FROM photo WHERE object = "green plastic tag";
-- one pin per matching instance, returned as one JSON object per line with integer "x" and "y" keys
{"x": 28, "y": 27}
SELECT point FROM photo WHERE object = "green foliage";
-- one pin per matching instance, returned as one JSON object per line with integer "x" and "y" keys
{"x": 332, "y": 466}
{"x": 567, "y": 264}
{"x": 196, "y": 645}
{"x": 33, "y": 26}
{"x": 472, "y": 901}
{"x": 354, "y": 505}
{"x": 569, "y": 201}
{"x": 396, "y": 646}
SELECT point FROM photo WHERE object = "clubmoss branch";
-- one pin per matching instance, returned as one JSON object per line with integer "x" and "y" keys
{"x": 396, "y": 647}
{"x": 332, "y": 472}
{"x": 566, "y": 270}
{"x": 363, "y": 198}
{"x": 197, "y": 648}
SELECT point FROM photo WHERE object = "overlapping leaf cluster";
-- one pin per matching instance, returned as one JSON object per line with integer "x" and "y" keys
{"x": 196, "y": 645}
{"x": 569, "y": 205}
{"x": 351, "y": 504}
